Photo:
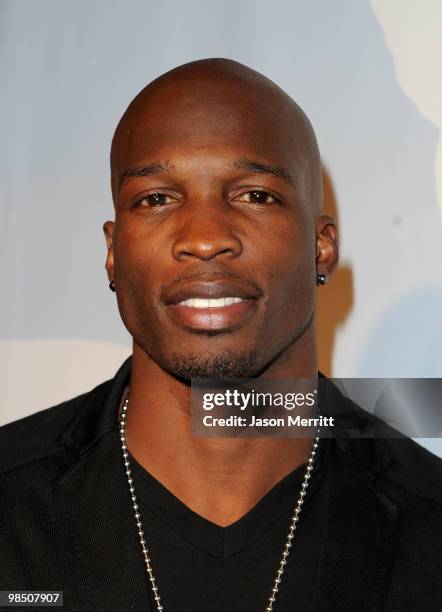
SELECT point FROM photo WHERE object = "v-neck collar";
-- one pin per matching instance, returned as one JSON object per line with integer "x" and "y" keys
{"x": 212, "y": 539}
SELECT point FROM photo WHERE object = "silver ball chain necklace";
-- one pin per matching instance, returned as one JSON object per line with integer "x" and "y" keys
{"x": 148, "y": 563}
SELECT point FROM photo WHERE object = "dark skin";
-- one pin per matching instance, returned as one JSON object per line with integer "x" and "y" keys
{"x": 217, "y": 186}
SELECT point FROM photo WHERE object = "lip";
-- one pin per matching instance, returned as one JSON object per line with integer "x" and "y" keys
{"x": 218, "y": 318}
{"x": 205, "y": 288}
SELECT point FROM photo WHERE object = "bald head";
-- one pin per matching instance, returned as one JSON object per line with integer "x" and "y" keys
{"x": 217, "y": 179}
{"x": 215, "y": 103}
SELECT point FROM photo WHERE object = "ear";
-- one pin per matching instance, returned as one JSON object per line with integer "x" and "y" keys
{"x": 108, "y": 229}
{"x": 327, "y": 251}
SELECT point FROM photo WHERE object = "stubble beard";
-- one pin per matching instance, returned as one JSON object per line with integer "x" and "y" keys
{"x": 207, "y": 365}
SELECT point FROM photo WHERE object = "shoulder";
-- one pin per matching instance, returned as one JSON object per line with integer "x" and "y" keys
{"x": 390, "y": 460}
{"x": 38, "y": 435}
{"x": 400, "y": 480}
{"x": 398, "y": 466}
{"x": 413, "y": 469}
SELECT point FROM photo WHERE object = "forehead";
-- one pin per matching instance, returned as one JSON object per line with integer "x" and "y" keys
{"x": 182, "y": 117}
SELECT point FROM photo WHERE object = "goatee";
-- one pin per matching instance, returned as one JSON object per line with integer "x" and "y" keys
{"x": 225, "y": 365}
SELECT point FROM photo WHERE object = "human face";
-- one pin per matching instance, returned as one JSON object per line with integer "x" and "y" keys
{"x": 213, "y": 247}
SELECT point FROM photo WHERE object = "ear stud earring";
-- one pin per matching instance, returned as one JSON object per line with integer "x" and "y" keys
{"x": 321, "y": 279}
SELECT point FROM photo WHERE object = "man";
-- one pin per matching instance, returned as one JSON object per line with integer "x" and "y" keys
{"x": 218, "y": 243}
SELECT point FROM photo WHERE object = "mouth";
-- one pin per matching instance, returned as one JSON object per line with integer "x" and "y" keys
{"x": 210, "y": 302}
{"x": 219, "y": 305}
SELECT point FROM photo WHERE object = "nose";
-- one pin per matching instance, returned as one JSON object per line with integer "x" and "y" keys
{"x": 207, "y": 233}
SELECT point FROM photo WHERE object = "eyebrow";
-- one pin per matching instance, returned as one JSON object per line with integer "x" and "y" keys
{"x": 262, "y": 168}
{"x": 148, "y": 170}
{"x": 250, "y": 165}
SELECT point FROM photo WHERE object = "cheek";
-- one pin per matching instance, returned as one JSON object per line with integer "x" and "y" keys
{"x": 137, "y": 267}
{"x": 137, "y": 257}
{"x": 291, "y": 268}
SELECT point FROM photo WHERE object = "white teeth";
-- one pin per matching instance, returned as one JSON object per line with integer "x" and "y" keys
{"x": 210, "y": 303}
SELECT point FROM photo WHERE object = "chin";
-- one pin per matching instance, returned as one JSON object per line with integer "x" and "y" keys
{"x": 225, "y": 364}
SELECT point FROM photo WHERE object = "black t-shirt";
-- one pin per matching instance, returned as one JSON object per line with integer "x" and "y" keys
{"x": 202, "y": 567}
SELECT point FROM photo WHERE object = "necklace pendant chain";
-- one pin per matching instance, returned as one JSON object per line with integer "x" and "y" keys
{"x": 145, "y": 551}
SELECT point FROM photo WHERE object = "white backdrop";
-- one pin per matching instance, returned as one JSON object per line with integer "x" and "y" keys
{"x": 367, "y": 74}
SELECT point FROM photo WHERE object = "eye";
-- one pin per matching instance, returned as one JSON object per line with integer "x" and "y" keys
{"x": 154, "y": 199}
{"x": 257, "y": 196}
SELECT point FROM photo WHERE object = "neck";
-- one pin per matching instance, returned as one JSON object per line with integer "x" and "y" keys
{"x": 220, "y": 479}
